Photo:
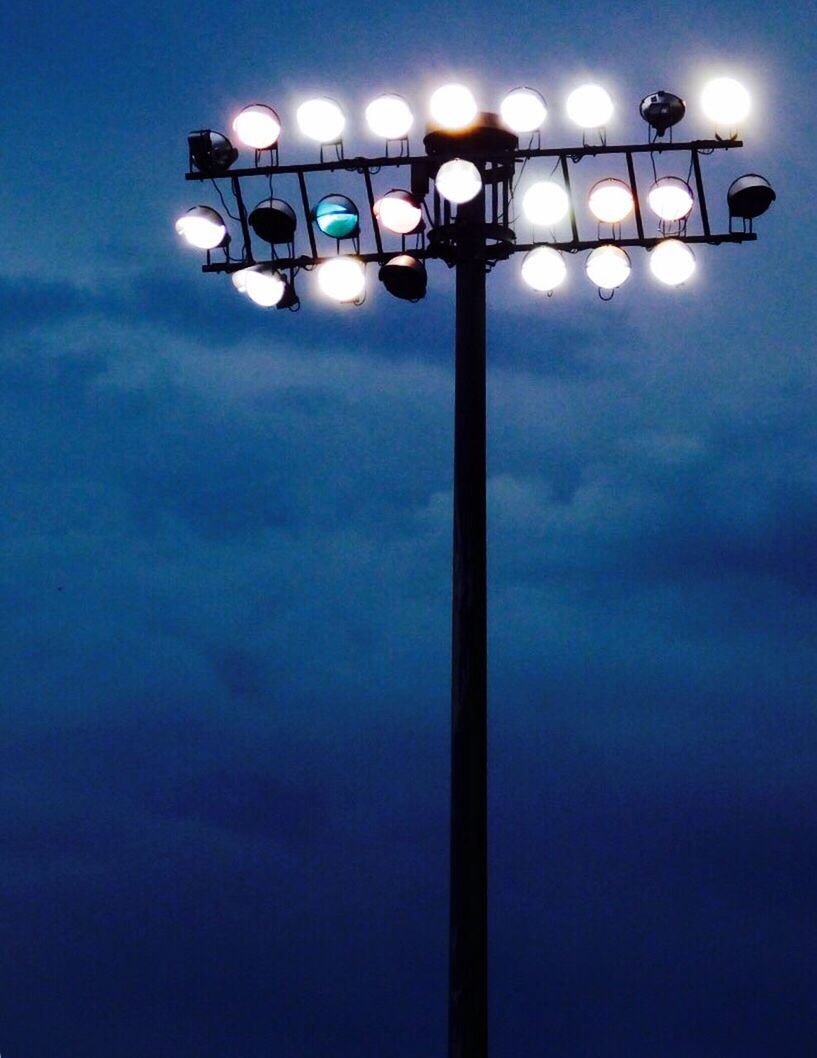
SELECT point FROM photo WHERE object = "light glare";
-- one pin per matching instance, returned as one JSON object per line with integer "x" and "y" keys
{"x": 321, "y": 120}
{"x": 670, "y": 198}
{"x": 725, "y": 102}
{"x": 523, "y": 110}
{"x": 458, "y": 181}
{"x": 546, "y": 203}
{"x": 672, "y": 262}
{"x": 453, "y": 106}
{"x": 544, "y": 269}
{"x": 389, "y": 117}
{"x": 608, "y": 267}
{"x": 257, "y": 126}
{"x": 342, "y": 278}
{"x": 201, "y": 227}
{"x": 590, "y": 106}
{"x": 610, "y": 201}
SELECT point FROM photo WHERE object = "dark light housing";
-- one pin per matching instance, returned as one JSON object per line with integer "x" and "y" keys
{"x": 749, "y": 196}
{"x": 404, "y": 277}
{"x": 274, "y": 221}
{"x": 662, "y": 110}
{"x": 337, "y": 216}
{"x": 210, "y": 152}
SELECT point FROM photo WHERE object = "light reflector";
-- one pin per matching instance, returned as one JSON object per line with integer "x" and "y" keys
{"x": 608, "y": 267}
{"x": 337, "y": 216}
{"x": 610, "y": 200}
{"x": 546, "y": 203}
{"x": 321, "y": 120}
{"x": 258, "y": 126}
{"x": 453, "y": 106}
{"x": 523, "y": 110}
{"x": 670, "y": 198}
{"x": 389, "y": 117}
{"x": 202, "y": 227}
{"x": 458, "y": 181}
{"x": 589, "y": 106}
{"x": 262, "y": 284}
{"x": 399, "y": 211}
{"x": 544, "y": 269}
{"x": 342, "y": 278}
{"x": 672, "y": 262}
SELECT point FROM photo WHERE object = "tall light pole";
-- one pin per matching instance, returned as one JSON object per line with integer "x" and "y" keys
{"x": 474, "y": 161}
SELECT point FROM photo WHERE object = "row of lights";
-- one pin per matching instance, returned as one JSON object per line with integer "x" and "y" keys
{"x": 724, "y": 101}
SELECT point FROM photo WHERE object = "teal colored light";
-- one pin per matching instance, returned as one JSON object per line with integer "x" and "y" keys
{"x": 337, "y": 218}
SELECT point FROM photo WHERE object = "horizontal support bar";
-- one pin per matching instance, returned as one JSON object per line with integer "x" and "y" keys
{"x": 502, "y": 252}
{"x": 352, "y": 165}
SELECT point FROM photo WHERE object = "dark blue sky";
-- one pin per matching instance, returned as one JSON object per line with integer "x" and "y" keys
{"x": 225, "y": 578}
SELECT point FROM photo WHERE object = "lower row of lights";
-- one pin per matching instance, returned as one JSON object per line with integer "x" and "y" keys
{"x": 343, "y": 278}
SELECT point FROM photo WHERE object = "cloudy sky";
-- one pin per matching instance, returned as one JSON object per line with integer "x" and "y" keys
{"x": 226, "y": 561}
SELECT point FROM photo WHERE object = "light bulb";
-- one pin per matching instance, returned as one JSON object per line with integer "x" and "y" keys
{"x": 202, "y": 227}
{"x": 258, "y": 126}
{"x": 670, "y": 198}
{"x": 610, "y": 201}
{"x": 672, "y": 262}
{"x": 608, "y": 267}
{"x": 523, "y": 110}
{"x": 590, "y": 106}
{"x": 725, "y": 102}
{"x": 342, "y": 278}
{"x": 453, "y": 107}
{"x": 546, "y": 203}
{"x": 390, "y": 117}
{"x": 321, "y": 120}
{"x": 544, "y": 269}
{"x": 458, "y": 180}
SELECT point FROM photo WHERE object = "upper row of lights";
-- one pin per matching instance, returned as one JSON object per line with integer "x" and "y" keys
{"x": 724, "y": 101}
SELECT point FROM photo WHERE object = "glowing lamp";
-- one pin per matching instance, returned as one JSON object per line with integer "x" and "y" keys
{"x": 523, "y": 110}
{"x": 202, "y": 227}
{"x": 274, "y": 221}
{"x": 725, "y": 102}
{"x": 337, "y": 216}
{"x": 749, "y": 196}
{"x": 610, "y": 200}
{"x": 672, "y": 262}
{"x": 589, "y": 107}
{"x": 662, "y": 110}
{"x": 400, "y": 212}
{"x": 210, "y": 152}
{"x": 608, "y": 267}
{"x": 261, "y": 283}
{"x": 670, "y": 198}
{"x": 258, "y": 126}
{"x": 389, "y": 117}
{"x": 404, "y": 277}
{"x": 546, "y": 203}
{"x": 458, "y": 181}
{"x": 453, "y": 107}
{"x": 544, "y": 269}
{"x": 342, "y": 278}
{"x": 321, "y": 120}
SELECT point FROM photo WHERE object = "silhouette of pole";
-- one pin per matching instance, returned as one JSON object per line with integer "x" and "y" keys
{"x": 468, "y": 928}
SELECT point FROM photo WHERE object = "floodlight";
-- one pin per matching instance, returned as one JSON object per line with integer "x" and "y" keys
{"x": 274, "y": 221}
{"x": 725, "y": 102}
{"x": 749, "y": 196}
{"x": 546, "y": 203}
{"x": 337, "y": 216}
{"x": 544, "y": 269}
{"x": 458, "y": 181}
{"x": 662, "y": 110}
{"x": 610, "y": 200}
{"x": 210, "y": 152}
{"x": 400, "y": 212}
{"x": 342, "y": 278}
{"x": 670, "y": 198}
{"x": 590, "y": 106}
{"x": 321, "y": 120}
{"x": 672, "y": 262}
{"x": 523, "y": 110}
{"x": 262, "y": 284}
{"x": 203, "y": 228}
{"x": 258, "y": 126}
{"x": 390, "y": 117}
{"x": 608, "y": 267}
{"x": 453, "y": 107}
{"x": 405, "y": 277}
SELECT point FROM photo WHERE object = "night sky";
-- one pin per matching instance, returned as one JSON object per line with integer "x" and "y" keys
{"x": 225, "y": 585}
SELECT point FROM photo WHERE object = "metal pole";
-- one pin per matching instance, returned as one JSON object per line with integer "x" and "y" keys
{"x": 468, "y": 940}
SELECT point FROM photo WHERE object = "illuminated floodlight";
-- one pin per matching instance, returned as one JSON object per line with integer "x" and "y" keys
{"x": 749, "y": 196}
{"x": 342, "y": 278}
{"x": 672, "y": 262}
{"x": 337, "y": 216}
{"x": 262, "y": 284}
{"x": 544, "y": 269}
{"x": 202, "y": 227}
{"x": 610, "y": 200}
{"x": 321, "y": 120}
{"x": 546, "y": 203}
{"x": 399, "y": 211}
{"x": 274, "y": 221}
{"x": 608, "y": 267}
{"x": 523, "y": 110}
{"x": 453, "y": 107}
{"x": 404, "y": 277}
{"x": 670, "y": 198}
{"x": 210, "y": 152}
{"x": 725, "y": 102}
{"x": 590, "y": 106}
{"x": 389, "y": 117}
{"x": 258, "y": 126}
{"x": 458, "y": 181}
{"x": 662, "y": 110}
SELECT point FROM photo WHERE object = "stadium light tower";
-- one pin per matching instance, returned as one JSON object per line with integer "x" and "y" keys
{"x": 457, "y": 209}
